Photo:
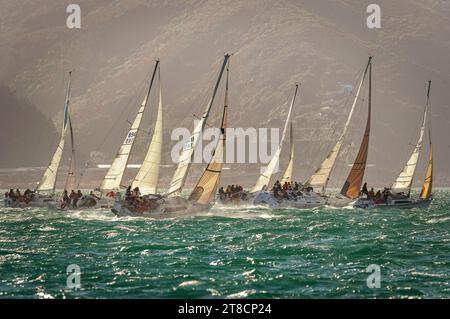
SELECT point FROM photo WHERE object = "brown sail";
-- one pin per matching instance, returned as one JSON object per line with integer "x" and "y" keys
{"x": 427, "y": 187}
{"x": 352, "y": 185}
{"x": 205, "y": 190}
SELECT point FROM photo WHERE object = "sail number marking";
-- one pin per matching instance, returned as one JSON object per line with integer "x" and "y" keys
{"x": 130, "y": 137}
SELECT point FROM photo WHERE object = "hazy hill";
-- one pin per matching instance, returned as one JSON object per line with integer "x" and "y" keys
{"x": 321, "y": 44}
{"x": 27, "y": 136}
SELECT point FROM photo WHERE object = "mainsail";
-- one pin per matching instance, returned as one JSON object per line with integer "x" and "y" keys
{"x": 427, "y": 187}
{"x": 403, "y": 182}
{"x": 179, "y": 177}
{"x": 114, "y": 175}
{"x": 322, "y": 175}
{"x": 264, "y": 178}
{"x": 147, "y": 177}
{"x": 352, "y": 185}
{"x": 287, "y": 176}
{"x": 71, "y": 177}
{"x": 205, "y": 190}
{"x": 48, "y": 181}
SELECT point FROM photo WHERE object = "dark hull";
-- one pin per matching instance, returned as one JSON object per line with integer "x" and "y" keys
{"x": 406, "y": 205}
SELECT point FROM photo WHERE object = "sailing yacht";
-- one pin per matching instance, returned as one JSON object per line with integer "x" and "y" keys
{"x": 319, "y": 180}
{"x": 248, "y": 197}
{"x": 262, "y": 197}
{"x": 202, "y": 197}
{"x": 147, "y": 177}
{"x": 399, "y": 194}
{"x": 45, "y": 192}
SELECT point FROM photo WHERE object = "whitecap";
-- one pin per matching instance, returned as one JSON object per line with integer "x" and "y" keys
{"x": 190, "y": 283}
{"x": 242, "y": 294}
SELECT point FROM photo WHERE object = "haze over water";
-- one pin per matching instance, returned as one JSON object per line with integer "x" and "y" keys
{"x": 226, "y": 253}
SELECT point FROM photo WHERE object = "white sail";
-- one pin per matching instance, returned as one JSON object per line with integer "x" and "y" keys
{"x": 287, "y": 176}
{"x": 322, "y": 175}
{"x": 48, "y": 181}
{"x": 113, "y": 178}
{"x": 147, "y": 177}
{"x": 264, "y": 178}
{"x": 179, "y": 177}
{"x": 404, "y": 180}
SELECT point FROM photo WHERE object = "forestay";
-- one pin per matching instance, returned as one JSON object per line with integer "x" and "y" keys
{"x": 48, "y": 181}
{"x": 264, "y": 179}
{"x": 147, "y": 177}
{"x": 205, "y": 190}
{"x": 404, "y": 180}
{"x": 352, "y": 185}
{"x": 322, "y": 175}
{"x": 113, "y": 178}
{"x": 179, "y": 177}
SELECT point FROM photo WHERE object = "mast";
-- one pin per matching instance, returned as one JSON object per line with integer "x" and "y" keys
{"x": 427, "y": 187}
{"x": 405, "y": 179}
{"x": 287, "y": 176}
{"x": 321, "y": 176}
{"x": 114, "y": 175}
{"x": 354, "y": 180}
{"x": 179, "y": 177}
{"x": 71, "y": 178}
{"x": 48, "y": 181}
{"x": 205, "y": 190}
{"x": 147, "y": 177}
{"x": 264, "y": 178}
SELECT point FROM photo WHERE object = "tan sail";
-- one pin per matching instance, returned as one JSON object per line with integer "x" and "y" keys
{"x": 287, "y": 176}
{"x": 321, "y": 176}
{"x": 147, "y": 177}
{"x": 352, "y": 185}
{"x": 113, "y": 178}
{"x": 205, "y": 190}
{"x": 264, "y": 178}
{"x": 427, "y": 187}
{"x": 179, "y": 177}
{"x": 48, "y": 181}
{"x": 403, "y": 182}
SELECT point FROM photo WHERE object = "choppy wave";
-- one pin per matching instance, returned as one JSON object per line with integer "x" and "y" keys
{"x": 245, "y": 252}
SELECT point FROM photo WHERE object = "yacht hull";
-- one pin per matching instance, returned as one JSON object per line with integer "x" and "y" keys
{"x": 163, "y": 208}
{"x": 305, "y": 201}
{"x": 398, "y": 204}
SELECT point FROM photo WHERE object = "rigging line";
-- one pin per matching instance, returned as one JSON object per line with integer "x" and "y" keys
{"x": 131, "y": 101}
{"x": 199, "y": 102}
{"x": 339, "y": 174}
{"x": 330, "y": 143}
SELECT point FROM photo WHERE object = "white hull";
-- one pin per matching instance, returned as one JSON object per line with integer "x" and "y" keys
{"x": 305, "y": 201}
{"x": 162, "y": 208}
{"x": 39, "y": 201}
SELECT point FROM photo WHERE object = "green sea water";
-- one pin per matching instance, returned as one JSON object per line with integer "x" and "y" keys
{"x": 228, "y": 253}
